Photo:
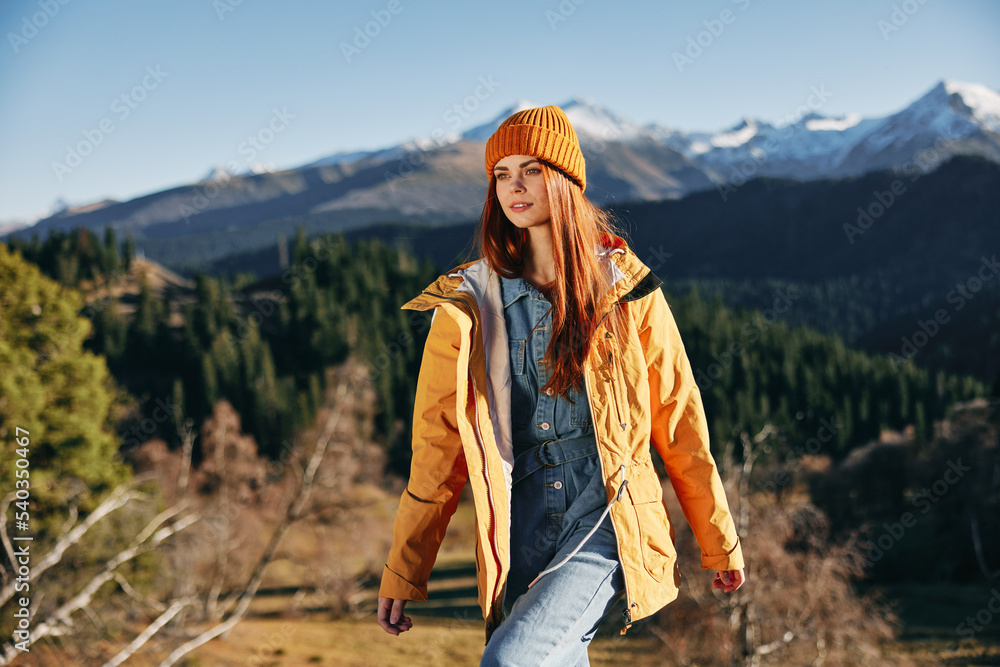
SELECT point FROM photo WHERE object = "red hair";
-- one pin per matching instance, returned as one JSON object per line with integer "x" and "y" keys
{"x": 577, "y": 228}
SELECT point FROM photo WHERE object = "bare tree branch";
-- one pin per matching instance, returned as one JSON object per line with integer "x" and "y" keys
{"x": 776, "y": 644}
{"x": 7, "y": 546}
{"x": 212, "y": 609}
{"x": 150, "y": 537}
{"x": 187, "y": 434}
{"x": 294, "y": 511}
{"x": 119, "y": 497}
{"x": 136, "y": 595}
{"x": 977, "y": 545}
{"x": 743, "y": 626}
{"x": 144, "y": 636}
{"x": 74, "y": 513}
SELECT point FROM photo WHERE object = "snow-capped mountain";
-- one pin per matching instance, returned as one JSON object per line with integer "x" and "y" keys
{"x": 223, "y": 173}
{"x": 953, "y": 117}
{"x": 592, "y": 123}
{"x": 483, "y": 132}
{"x": 349, "y": 157}
{"x": 59, "y": 207}
{"x": 441, "y": 179}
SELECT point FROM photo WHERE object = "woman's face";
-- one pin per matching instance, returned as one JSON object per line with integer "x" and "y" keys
{"x": 521, "y": 190}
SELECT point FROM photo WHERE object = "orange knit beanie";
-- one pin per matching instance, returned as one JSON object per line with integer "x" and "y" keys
{"x": 542, "y": 132}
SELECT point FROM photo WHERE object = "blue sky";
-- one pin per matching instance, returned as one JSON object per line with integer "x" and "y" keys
{"x": 199, "y": 76}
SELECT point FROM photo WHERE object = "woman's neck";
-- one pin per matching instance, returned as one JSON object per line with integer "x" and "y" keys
{"x": 539, "y": 269}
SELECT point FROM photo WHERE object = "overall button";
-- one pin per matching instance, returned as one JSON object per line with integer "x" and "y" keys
{"x": 546, "y": 426}
{"x": 548, "y": 391}
{"x": 557, "y": 484}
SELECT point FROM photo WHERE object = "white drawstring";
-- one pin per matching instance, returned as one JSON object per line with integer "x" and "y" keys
{"x": 597, "y": 525}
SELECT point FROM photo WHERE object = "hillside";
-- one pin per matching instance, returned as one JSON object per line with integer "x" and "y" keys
{"x": 872, "y": 288}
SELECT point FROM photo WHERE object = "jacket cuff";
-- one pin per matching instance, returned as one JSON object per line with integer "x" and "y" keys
{"x": 394, "y": 586}
{"x": 732, "y": 560}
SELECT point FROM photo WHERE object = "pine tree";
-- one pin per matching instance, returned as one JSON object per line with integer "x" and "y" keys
{"x": 110, "y": 331}
{"x": 112, "y": 258}
{"x": 180, "y": 411}
{"x": 209, "y": 381}
{"x": 53, "y": 393}
{"x": 129, "y": 251}
{"x": 301, "y": 248}
{"x": 143, "y": 331}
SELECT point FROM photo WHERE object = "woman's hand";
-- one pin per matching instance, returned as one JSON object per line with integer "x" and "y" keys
{"x": 728, "y": 580}
{"x": 390, "y": 616}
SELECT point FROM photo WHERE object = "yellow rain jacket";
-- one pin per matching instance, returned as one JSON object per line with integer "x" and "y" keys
{"x": 462, "y": 432}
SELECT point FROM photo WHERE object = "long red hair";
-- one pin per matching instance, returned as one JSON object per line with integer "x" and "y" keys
{"x": 578, "y": 226}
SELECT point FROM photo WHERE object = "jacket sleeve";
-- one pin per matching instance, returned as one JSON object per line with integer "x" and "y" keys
{"x": 437, "y": 471}
{"x": 680, "y": 436}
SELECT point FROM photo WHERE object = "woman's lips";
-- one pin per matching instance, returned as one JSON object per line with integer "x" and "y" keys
{"x": 519, "y": 207}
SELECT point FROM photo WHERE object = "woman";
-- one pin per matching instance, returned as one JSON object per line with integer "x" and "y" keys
{"x": 551, "y": 365}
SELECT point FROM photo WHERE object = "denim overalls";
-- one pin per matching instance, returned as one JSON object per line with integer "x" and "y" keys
{"x": 558, "y": 496}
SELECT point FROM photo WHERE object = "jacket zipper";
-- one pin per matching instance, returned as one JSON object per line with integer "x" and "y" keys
{"x": 482, "y": 457}
{"x": 627, "y": 614}
{"x": 489, "y": 489}
{"x": 613, "y": 375}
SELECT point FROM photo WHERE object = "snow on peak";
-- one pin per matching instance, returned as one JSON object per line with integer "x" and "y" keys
{"x": 983, "y": 103}
{"x": 737, "y": 135}
{"x": 484, "y": 131}
{"x": 954, "y": 107}
{"x": 260, "y": 168}
{"x": 591, "y": 120}
{"x": 224, "y": 173}
{"x": 58, "y": 206}
{"x": 520, "y": 106}
{"x": 951, "y": 107}
{"x": 216, "y": 172}
{"x": 745, "y": 121}
{"x": 699, "y": 147}
{"x": 978, "y": 94}
{"x": 824, "y": 124}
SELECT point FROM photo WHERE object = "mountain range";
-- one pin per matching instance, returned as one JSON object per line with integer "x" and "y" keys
{"x": 442, "y": 181}
{"x": 930, "y": 256}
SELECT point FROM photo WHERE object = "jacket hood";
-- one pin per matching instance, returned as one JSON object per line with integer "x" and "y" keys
{"x": 630, "y": 278}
